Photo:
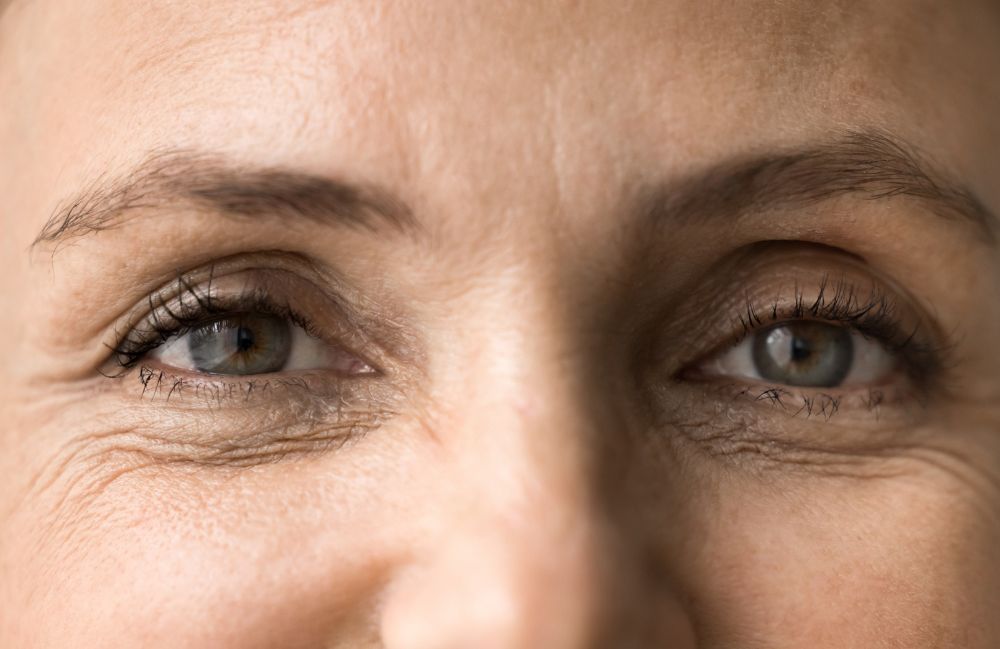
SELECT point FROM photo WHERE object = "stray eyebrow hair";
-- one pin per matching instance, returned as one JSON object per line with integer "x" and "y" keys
{"x": 871, "y": 164}
{"x": 169, "y": 177}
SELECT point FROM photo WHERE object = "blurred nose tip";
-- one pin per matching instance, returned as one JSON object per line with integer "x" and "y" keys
{"x": 473, "y": 598}
{"x": 424, "y": 621}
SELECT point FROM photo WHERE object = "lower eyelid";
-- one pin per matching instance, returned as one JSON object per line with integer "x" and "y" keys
{"x": 256, "y": 420}
{"x": 770, "y": 424}
{"x": 864, "y": 406}
{"x": 247, "y": 429}
{"x": 310, "y": 394}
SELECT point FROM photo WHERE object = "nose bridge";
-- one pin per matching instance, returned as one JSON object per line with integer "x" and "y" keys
{"x": 533, "y": 437}
{"x": 535, "y": 469}
{"x": 528, "y": 549}
{"x": 524, "y": 558}
{"x": 519, "y": 413}
{"x": 543, "y": 427}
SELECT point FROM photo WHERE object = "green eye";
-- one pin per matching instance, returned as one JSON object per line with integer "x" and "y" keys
{"x": 242, "y": 344}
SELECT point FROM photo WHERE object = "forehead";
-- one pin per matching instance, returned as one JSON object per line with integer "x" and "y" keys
{"x": 491, "y": 91}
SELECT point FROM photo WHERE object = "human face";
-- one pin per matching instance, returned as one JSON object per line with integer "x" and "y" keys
{"x": 500, "y": 325}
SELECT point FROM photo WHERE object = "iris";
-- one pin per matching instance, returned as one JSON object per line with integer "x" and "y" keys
{"x": 241, "y": 344}
{"x": 806, "y": 354}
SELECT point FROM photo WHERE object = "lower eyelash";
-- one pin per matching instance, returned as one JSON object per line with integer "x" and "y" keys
{"x": 294, "y": 418}
{"x": 824, "y": 405}
{"x": 159, "y": 383}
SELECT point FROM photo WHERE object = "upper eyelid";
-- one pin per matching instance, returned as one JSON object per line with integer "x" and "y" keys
{"x": 371, "y": 326}
{"x": 192, "y": 298}
{"x": 168, "y": 282}
{"x": 870, "y": 309}
{"x": 175, "y": 308}
{"x": 183, "y": 323}
{"x": 767, "y": 282}
{"x": 922, "y": 361}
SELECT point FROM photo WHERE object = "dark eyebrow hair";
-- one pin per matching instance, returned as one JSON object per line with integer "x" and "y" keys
{"x": 871, "y": 164}
{"x": 214, "y": 183}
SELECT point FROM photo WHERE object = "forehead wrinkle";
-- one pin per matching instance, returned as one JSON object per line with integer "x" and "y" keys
{"x": 785, "y": 18}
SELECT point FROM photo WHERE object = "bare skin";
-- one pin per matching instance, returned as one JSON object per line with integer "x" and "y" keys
{"x": 518, "y": 242}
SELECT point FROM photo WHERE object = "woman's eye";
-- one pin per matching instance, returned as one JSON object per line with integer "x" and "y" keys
{"x": 245, "y": 344}
{"x": 806, "y": 354}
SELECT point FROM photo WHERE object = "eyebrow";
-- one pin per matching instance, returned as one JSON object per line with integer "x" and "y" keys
{"x": 870, "y": 164}
{"x": 206, "y": 181}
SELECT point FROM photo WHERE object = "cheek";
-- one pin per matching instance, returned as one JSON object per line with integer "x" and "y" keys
{"x": 281, "y": 555}
{"x": 849, "y": 562}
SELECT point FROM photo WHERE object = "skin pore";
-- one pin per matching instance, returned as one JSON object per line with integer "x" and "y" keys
{"x": 521, "y": 241}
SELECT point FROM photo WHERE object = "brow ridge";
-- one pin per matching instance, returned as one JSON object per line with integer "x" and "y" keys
{"x": 872, "y": 164}
{"x": 211, "y": 182}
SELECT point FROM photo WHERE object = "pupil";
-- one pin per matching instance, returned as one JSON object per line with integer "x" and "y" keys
{"x": 244, "y": 339}
{"x": 801, "y": 349}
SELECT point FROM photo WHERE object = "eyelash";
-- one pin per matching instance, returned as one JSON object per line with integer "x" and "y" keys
{"x": 182, "y": 308}
{"x": 193, "y": 308}
{"x": 873, "y": 314}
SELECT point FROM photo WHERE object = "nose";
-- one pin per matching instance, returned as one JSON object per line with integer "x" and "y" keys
{"x": 483, "y": 591}
{"x": 531, "y": 554}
